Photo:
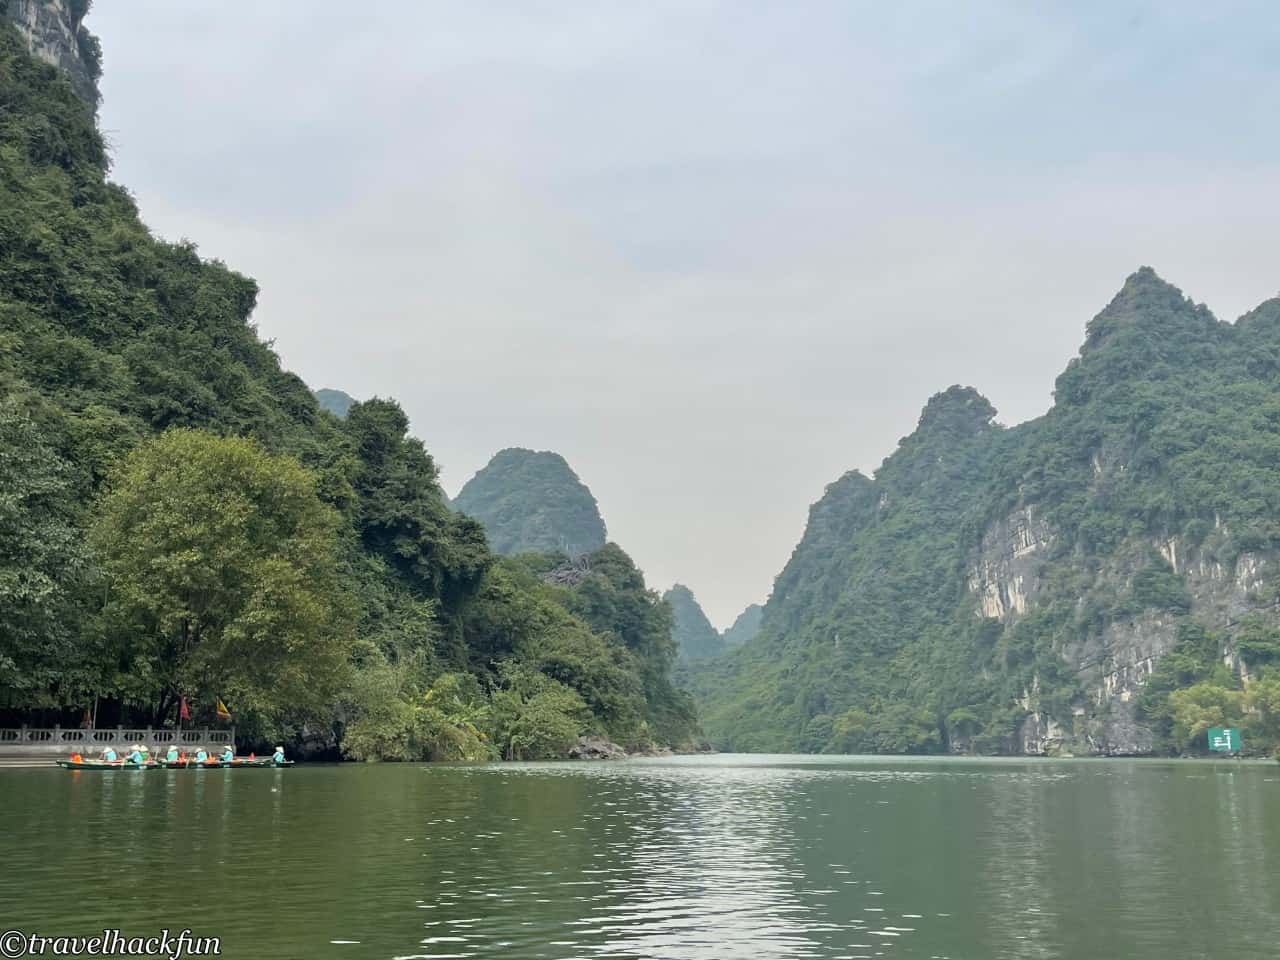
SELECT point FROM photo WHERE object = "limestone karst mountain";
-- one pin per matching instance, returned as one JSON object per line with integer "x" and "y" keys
{"x": 335, "y": 401}
{"x": 1102, "y": 579}
{"x": 532, "y": 501}
{"x": 745, "y": 626}
{"x": 696, "y": 638}
{"x": 54, "y": 33}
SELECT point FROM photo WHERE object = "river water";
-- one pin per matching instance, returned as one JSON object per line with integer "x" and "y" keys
{"x": 710, "y": 857}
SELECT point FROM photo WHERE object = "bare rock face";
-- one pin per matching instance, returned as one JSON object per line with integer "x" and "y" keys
{"x": 1007, "y": 576}
{"x": 596, "y": 748}
{"x": 1114, "y": 662}
{"x": 54, "y": 32}
{"x": 570, "y": 573}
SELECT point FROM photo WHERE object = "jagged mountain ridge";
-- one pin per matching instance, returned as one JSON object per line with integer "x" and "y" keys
{"x": 1014, "y": 589}
{"x": 532, "y": 502}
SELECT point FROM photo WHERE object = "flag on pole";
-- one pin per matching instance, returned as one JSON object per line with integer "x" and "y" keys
{"x": 222, "y": 711}
{"x": 184, "y": 711}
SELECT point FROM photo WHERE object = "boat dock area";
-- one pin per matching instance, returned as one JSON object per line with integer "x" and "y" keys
{"x": 36, "y": 746}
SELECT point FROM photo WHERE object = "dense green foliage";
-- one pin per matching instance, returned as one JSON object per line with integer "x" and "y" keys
{"x": 335, "y": 401}
{"x": 221, "y": 580}
{"x": 43, "y": 567}
{"x": 613, "y": 599}
{"x": 532, "y": 501}
{"x": 179, "y": 517}
{"x": 1164, "y": 441}
{"x": 745, "y": 626}
{"x": 695, "y": 637}
{"x": 1191, "y": 689}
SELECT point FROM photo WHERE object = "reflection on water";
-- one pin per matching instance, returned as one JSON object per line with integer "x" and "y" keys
{"x": 708, "y": 882}
{"x": 699, "y": 858}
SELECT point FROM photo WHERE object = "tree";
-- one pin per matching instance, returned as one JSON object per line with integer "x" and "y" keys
{"x": 1263, "y": 701}
{"x": 535, "y": 717}
{"x": 43, "y": 566}
{"x": 393, "y": 721}
{"x": 1203, "y": 705}
{"x": 402, "y": 513}
{"x": 220, "y": 561}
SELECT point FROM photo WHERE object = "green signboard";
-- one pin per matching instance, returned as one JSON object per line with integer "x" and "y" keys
{"x": 1224, "y": 739}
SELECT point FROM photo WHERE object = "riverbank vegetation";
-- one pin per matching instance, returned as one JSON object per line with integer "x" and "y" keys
{"x": 180, "y": 519}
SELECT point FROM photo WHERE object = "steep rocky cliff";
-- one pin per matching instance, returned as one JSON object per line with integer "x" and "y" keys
{"x": 1099, "y": 580}
{"x": 54, "y": 32}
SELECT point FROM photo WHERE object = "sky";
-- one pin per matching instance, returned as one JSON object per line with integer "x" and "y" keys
{"x": 714, "y": 253}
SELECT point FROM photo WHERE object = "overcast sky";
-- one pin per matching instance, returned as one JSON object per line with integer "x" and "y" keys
{"x": 714, "y": 253}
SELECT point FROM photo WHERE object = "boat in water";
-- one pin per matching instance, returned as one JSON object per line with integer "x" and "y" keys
{"x": 249, "y": 763}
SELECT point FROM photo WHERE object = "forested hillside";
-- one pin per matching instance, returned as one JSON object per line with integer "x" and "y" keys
{"x": 695, "y": 637}
{"x": 180, "y": 518}
{"x": 533, "y": 501}
{"x": 1101, "y": 579}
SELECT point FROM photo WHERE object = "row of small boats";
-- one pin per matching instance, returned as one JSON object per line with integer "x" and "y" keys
{"x": 189, "y": 763}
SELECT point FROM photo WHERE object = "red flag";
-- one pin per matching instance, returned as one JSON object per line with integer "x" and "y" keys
{"x": 184, "y": 712}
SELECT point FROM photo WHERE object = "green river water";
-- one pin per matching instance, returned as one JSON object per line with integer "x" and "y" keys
{"x": 701, "y": 857}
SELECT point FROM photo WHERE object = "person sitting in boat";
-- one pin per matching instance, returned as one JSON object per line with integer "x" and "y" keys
{"x": 146, "y": 754}
{"x": 278, "y": 757}
{"x": 108, "y": 754}
{"x": 171, "y": 755}
{"x": 135, "y": 755}
{"x": 76, "y": 758}
{"x": 228, "y": 754}
{"x": 201, "y": 755}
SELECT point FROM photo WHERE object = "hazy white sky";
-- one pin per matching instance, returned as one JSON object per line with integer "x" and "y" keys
{"x": 714, "y": 253}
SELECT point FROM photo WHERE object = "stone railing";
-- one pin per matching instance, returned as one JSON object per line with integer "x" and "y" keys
{"x": 58, "y": 741}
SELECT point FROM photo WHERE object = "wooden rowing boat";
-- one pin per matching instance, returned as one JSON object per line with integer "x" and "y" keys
{"x": 189, "y": 764}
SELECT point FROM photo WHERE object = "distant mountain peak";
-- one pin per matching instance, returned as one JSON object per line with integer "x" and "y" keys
{"x": 696, "y": 638}
{"x": 957, "y": 408}
{"x": 1146, "y": 300}
{"x": 335, "y": 401}
{"x": 532, "y": 501}
{"x": 745, "y": 627}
